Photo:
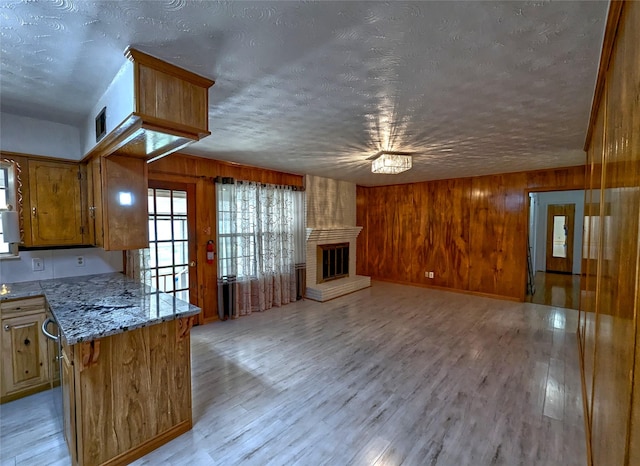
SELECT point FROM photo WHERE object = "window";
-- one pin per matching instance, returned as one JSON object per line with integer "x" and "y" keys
{"x": 261, "y": 244}
{"x": 258, "y": 226}
{"x": 7, "y": 198}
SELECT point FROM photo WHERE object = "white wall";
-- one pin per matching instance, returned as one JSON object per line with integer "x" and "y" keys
{"x": 59, "y": 263}
{"x": 34, "y": 136}
{"x": 118, "y": 98}
{"x": 39, "y": 137}
{"x": 558, "y": 197}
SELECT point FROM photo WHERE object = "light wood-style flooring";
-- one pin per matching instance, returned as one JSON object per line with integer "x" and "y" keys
{"x": 385, "y": 376}
{"x": 556, "y": 289}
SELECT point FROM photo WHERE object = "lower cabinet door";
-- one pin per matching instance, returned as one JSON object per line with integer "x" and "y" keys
{"x": 25, "y": 356}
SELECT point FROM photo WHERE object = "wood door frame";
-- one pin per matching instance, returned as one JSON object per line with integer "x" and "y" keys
{"x": 569, "y": 212}
{"x": 190, "y": 188}
{"x": 528, "y": 191}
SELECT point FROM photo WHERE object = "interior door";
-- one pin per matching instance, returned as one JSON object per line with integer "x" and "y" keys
{"x": 560, "y": 220}
{"x": 172, "y": 239}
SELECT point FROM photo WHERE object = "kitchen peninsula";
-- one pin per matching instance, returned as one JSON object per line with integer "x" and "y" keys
{"x": 126, "y": 364}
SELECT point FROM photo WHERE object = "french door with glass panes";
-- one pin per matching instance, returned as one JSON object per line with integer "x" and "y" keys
{"x": 172, "y": 252}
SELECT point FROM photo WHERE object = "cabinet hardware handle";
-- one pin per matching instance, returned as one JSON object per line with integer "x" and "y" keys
{"x": 26, "y": 342}
{"x": 92, "y": 212}
{"x": 7, "y": 327}
{"x": 34, "y": 211}
{"x": 44, "y": 329}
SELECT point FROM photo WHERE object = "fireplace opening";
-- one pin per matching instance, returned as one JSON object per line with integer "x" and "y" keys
{"x": 333, "y": 261}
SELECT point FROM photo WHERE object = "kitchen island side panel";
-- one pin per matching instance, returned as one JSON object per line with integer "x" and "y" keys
{"x": 133, "y": 392}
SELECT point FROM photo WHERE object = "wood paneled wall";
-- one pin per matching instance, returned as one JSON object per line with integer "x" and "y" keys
{"x": 471, "y": 232}
{"x": 609, "y": 330}
{"x": 200, "y": 171}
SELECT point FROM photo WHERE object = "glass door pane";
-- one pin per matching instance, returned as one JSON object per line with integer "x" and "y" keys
{"x": 169, "y": 241}
{"x": 559, "y": 236}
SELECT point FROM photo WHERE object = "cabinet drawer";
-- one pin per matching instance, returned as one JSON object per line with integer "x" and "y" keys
{"x": 22, "y": 306}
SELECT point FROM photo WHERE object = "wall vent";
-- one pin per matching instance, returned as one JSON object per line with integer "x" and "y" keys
{"x": 101, "y": 124}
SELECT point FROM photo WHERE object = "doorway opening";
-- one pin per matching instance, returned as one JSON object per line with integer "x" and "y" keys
{"x": 555, "y": 248}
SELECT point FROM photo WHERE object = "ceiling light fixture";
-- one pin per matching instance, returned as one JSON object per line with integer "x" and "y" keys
{"x": 390, "y": 162}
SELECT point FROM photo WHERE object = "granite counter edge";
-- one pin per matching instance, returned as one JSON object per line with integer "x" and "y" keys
{"x": 33, "y": 289}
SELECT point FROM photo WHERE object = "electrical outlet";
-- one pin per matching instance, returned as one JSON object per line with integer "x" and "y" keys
{"x": 37, "y": 265}
{"x": 79, "y": 261}
{"x": 430, "y": 274}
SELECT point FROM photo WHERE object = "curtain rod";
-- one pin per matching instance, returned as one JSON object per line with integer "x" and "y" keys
{"x": 230, "y": 180}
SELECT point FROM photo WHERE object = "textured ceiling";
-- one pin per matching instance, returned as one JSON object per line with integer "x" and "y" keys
{"x": 471, "y": 87}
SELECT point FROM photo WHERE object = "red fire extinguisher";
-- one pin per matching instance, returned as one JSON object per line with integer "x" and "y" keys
{"x": 210, "y": 252}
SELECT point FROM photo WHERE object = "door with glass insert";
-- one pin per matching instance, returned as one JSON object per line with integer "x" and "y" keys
{"x": 560, "y": 238}
{"x": 172, "y": 239}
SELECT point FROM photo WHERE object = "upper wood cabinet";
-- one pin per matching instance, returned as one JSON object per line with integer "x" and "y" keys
{"x": 117, "y": 189}
{"x": 169, "y": 109}
{"x": 170, "y": 96}
{"x": 54, "y": 213}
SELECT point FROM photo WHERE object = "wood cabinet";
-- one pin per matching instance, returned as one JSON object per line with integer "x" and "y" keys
{"x": 25, "y": 364}
{"x": 609, "y": 319}
{"x": 94, "y": 196}
{"x": 170, "y": 110}
{"x": 127, "y": 394}
{"x": 54, "y": 213}
{"x": 117, "y": 189}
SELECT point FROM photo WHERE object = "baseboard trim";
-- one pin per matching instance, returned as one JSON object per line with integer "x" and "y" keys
{"x": 26, "y": 392}
{"x": 454, "y": 290}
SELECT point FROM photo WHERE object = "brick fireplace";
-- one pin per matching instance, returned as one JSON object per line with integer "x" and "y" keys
{"x": 320, "y": 289}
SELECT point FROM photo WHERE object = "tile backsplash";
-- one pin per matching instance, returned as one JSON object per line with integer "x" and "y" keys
{"x": 59, "y": 263}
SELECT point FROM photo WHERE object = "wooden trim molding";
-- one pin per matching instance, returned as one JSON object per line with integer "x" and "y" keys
{"x": 26, "y": 392}
{"x": 169, "y": 127}
{"x": 611, "y": 29}
{"x": 137, "y": 56}
{"x": 117, "y": 138}
{"x": 445, "y": 288}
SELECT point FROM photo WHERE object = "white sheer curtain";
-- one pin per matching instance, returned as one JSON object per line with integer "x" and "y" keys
{"x": 260, "y": 233}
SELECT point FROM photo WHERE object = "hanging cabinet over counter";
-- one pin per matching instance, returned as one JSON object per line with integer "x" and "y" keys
{"x": 169, "y": 110}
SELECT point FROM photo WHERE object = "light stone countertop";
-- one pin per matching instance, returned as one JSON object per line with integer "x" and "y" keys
{"x": 95, "y": 306}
